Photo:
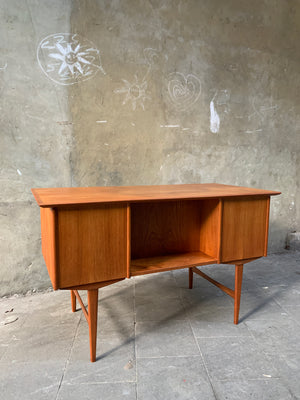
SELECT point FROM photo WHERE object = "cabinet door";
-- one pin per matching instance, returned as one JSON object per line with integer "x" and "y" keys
{"x": 244, "y": 228}
{"x": 92, "y": 245}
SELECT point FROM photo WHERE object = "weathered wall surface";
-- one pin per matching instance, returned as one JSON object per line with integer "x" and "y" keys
{"x": 144, "y": 92}
{"x": 34, "y": 145}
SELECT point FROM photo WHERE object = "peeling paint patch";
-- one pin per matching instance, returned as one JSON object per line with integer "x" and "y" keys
{"x": 214, "y": 119}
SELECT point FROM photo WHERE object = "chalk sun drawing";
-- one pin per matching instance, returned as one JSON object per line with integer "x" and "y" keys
{"x": 67, "y": 58}
{"x": 183, "y": 90}
{"x": 136, "y": 91}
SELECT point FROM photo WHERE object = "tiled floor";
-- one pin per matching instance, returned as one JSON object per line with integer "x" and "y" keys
{"x": 159, "y": 340}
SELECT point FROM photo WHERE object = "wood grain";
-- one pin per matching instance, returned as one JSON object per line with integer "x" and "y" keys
{"x": 49, "y": 243}
{"x": 92, "y": 245}
{"x": 53, "y": 197}
{"x": 244, "y": 228}
{"x": 160, "y": 228}
{"x": 172, "y": 261}
{"x": 210, "y": 227}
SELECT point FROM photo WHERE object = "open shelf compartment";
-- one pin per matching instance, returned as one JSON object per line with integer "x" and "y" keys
{"x": 176, "y": 234}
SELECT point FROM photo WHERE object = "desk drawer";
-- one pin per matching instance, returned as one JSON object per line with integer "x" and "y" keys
{"x": 244, "y": 228}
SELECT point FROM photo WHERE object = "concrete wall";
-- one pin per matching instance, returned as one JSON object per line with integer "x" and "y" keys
{"x": 153, "y": 92}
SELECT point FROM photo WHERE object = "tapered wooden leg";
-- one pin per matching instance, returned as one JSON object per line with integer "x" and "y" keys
{"x": 73, "y": 301}
{"x": 92, "y": 320}
{"x": 191, "y": 278}
{"x": 237, "y": 291}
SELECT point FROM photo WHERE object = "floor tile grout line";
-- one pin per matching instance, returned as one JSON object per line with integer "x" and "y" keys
{"x": 160, "y": 357}
{"x": 199, "y": 349}
{"x": 261, "y": 347}
{"x": 88, "y": 383}
{"x": 68, "y": 358}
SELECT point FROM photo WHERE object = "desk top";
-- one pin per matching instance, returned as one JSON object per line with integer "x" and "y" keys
{"x": 55, "y": 197}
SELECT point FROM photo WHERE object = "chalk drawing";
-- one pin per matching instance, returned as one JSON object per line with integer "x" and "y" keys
{"x": 136, "y": 91}
{"x": 19, "y": 172}
{"x": 151, "y": 56}
{"x": 222, "y": 97}
{"x": 255, "y": 130}
{"x": 170, "y": 126}
{"x": 258, "y": 116}
{"x": 183, "y": 90}
{"x": 68, "y": 58}
{"x": 4, "y": 67}
{"x": 101, "y": 122}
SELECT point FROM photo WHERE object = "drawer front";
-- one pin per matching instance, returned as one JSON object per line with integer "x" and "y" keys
{"x": 92, "y": 245}
{"x": 244, "y": 228}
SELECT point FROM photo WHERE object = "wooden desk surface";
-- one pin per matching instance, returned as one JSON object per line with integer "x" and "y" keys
{"x": 52, "y": 197}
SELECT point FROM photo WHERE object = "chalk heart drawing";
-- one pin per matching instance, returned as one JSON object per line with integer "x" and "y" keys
{"x": 184, "y": 90}
{"x": 151, "y": 55}
{"x": 67, "y": 58}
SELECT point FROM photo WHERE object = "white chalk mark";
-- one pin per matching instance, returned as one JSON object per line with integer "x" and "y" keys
{"x": 35, "y": 117}
{"x": 135, "y": 92}
{"x": 170, "y": 126}
{"x": 101, "y": 122}
{"x": 106, "y": 144}
{"x": 66, "y": 58}
{"x": 222, "y": 97}
{"x": 184, "y": 91}
{"x": 265, "y": 108}
{"x": 4, "y": 67}
{"x": 132, "y": 123}
{"x": 185, "y": 129}
{"x": 150, "y": 55}
{"x": 256, "y": 130}
{"x": 214, "y": 118}
{"x": 19, "y": 172}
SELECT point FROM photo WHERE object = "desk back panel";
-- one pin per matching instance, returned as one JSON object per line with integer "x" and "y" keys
{"x": 164, "y": 227}
{"x": 170, "y": 227}
{"x": 92, "y": 244}
{"x": 244, "y": 228}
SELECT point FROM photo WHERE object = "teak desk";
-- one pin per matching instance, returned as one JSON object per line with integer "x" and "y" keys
{"x": 93, "y": 237}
